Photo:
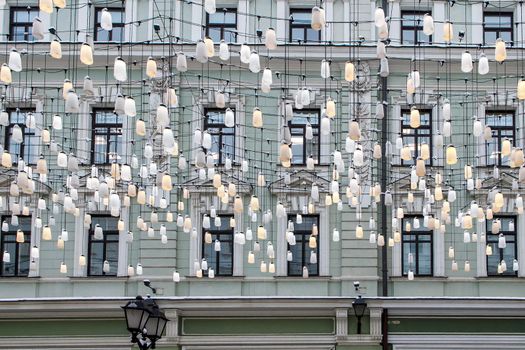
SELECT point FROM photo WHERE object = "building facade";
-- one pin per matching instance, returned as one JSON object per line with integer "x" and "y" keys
{"x": 255, "y": 181}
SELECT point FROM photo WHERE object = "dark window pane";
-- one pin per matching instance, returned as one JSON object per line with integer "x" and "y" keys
{"x": 301, "y": 250}
{"x": 220, "y": 261}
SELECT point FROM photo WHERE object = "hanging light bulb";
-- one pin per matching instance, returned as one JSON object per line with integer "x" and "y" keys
{"x": 151, "y": 67}
{"x": 483, "y": 64}
{"x": 210, "y": 47}
{"x": 86, "y": 54}
{"x": 46, "y": 6}
{"x": 415, "y": 118}
{"x": 55, "y": 49}
{"x": 448, "y": 32}
{"x": 266, "y": 80}
{"x": 318, "y": 18}
{"x": 254, "y": 63}
{"x": 15, "y": 61}
{"x": 201, "y": 52}
{"x": 257, "y": 118}
{"x": 37, "y": 29}
{"x": 451, "y": 155}
{"x": 106, "y": 22}
{"x": 224, "y": 51}
{"x": 229, "y": 118}
{"x": 182, "y": 62}
{"x": 466, "y": 62}
{"x": 349, "y": 71}
{"x": 325, "y": 69}
{"x": 271, "y": 39}
{"x": 210, "y": 6}
{"x": 5, "y": 74}
{"x": 521, "y": 90}
{"x": 120, "y": 70}
{"x": 379, "y": 17}
{"x": 428, "y": 24}
{"x": 500, "y": 51}
{"x": 245, "y": 53}
{"x": 330, "y": 108}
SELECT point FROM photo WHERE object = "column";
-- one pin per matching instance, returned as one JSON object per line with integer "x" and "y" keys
{"x": 520, "y": 224}
{"x": 195, "y": 242}
{"x": 196, "y": 19}
{"x": 280, "y": 261}
{"x": 395, "y": 22}
{"x": 373, "y": 34}
{"x": 439, "y": 253}
{"x": 476, "y": 29}
{"x": 375, "y": 322}
{"x": 83, "y": 19}
{"x": 341, "y": 322}
{"x": 438, "y": 13}
{"x": 329, "y": 13}
{"x": 238, "y": 249}
{"x": 172, "y": 327}
{"x": 347, "y": 19}
{"x": 122, "y": 267}
{"x": 396, "y": 260}
{"x": 282, "y": 22}
{"x": 129, "y": 11}
{"x": 242, "y": 21}
{"x": 481, "y": 260}
{"x": 324, "y": 244}
{"x": 35, "y": 241}
{"x": 80, "y": 245}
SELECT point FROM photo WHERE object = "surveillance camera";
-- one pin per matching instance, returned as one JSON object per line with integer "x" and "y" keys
{"x": 356, "y": 284}
{"x": 147, "y": 283}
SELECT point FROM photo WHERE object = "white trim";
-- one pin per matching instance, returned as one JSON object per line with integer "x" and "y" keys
{"x": 327, "y": 32}
{"x": 347, "y": 17}
{"x": 438, "y": 13}
{"x": 520, "y": 237}
{"x": 196, "y": 18}
{"x": 238, "y": 249}
{"x": 35, "y": 240}
{"x": 456, "y": 342}
{"x": 395, "y": 22}
{"x": 84, "y": 128}
{"x": 324, "y": 241}
{"x": 396, "y": 132}
{"x": 480, "y": 250}
{"x": 373, "y": 34}
{"x": 397, "y": 259}
{"x": 438, "y": 247}
{"x": 122, "y": 260}
{"x": 242, "y": 25}
{"x": 281, "y": 264}
{"x": 80, "y": 245}
{"x": 283, "y": 11}
{"x": 130, "y": 31}
{"x": 476, "y": 28}
{"x": 196, "y": 242}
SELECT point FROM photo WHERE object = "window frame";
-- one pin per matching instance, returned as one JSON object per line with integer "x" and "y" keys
{"x": 28, "y": 36}
{"x": 7, "y": 136}
{"x": 416, "y": 233}
{"x": 417, "y": 28}
{"x": 317, "y": 127}
{"x": 499, "y": 138}
{"x": 292, "y": 24}
{"x": 108, "y": 134}
{"x": 416, "y": 136}
{"x": 219, "y": 233}
{"x": 104, "y": 241}
{"x": 17, "y": 247}
{"x": 223, "y": 27}
{"x": 207, "y": 125}
{"x": 499, "y": 251}
{"x": 114, "y": 24}
{"x": 304, "y": 246}
{"x": 498, "y": 30}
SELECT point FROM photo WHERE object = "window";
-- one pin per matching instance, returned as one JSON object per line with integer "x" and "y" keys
{"x": 223, "y": 138}
{"x": 221, "y": 261}
{"x": 301, "y": 26}
{"x": 28, "y": 149}
{"x": 222, "y": 25}
{"x": 416, "y": 137}
{"x": 502, "y": 125}
{"x": 412, "y": 28}
{"x": 302, "y": 245}
{"x": 302, "y": 148}
{"x": 106, "y": 145}
{"x": 21, "y": 22}
{"x": 507, "y": 254}
{"x": 118, "y": 18}
{"x": 19, "y": 252}
{"x": 416, "y": 248}
{"x": 497, "y": 25}
{"x": 105, "y": 249}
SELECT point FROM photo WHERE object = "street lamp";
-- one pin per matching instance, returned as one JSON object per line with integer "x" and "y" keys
{"x": 359, "y": 306}
{"x": 145, "y": 321}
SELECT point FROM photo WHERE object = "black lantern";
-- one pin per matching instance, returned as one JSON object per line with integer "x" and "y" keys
{"x": 359, "y": 306}
{"x": 145, "y": 321}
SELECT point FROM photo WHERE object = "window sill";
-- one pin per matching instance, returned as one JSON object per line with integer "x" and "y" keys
{"x": 294, "y": 278}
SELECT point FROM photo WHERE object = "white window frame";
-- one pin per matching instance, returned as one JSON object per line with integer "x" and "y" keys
{"x": 200, "y": 201}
